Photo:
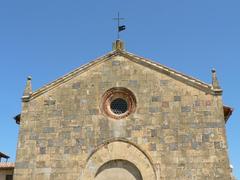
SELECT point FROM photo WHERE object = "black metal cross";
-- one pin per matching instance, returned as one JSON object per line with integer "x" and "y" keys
{"x": 118, "y": 19}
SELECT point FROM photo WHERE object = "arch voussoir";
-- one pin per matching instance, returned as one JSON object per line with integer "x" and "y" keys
{"x": 118, "y": 150}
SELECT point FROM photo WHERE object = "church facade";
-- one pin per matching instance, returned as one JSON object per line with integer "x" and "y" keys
{"x": 123, "y": 117}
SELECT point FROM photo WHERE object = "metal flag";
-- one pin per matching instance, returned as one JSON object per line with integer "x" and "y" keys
{"x": 121, "y": 28}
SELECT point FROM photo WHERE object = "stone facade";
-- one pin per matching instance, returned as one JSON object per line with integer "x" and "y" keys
{"x": 177, "y": 130}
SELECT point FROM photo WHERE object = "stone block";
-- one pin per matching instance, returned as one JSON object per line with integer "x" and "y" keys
{"x": 214, "y": 125}
{"x": 50, "y": 143}
{"x": 42, "y": 150}
{"x": 197, "y": 103}
{"x": 207, "y": 113}
{"x": 55, "y": 113}
{"x": 22, "y": 164}
{"x": 133, "y": 83}
{"x": 65, "y": 134}
{"x": 93, "y": 111}
{"x": 173, "y": 147}
{"x": 49, "y": 102}
{"x": 196, "y": 145}
{"x": 76, "y": 85}
{"x": 33, "y": 136}
{"x": 164, "y": 82}
{"x": 219, "y": 145}
{"x": 115, "y": 63}
{"x": 80, "y": 142}
{"x": 77, "y": 129}
{"x": 154, "y": 109}
{"x": 40, "y": 164}
{"x": 208, "y": 103}
{"x": 205, "y": 138}
{"x": 48, "y": 129}
{"x": 153, "y": 133}
{"x": 184, "y": 138}
{"x": 67, "y": 150}
{"x": 177, "y": 98}
{"x": 186, "y": 109}
{"x": 152, "y": 147}
{"x": 156, "y": 98}
{"x": 70, "y": 117}
{"x": 165, "y": 104}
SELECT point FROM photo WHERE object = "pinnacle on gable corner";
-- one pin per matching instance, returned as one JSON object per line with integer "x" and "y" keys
{"x": 215, "y": 83}
{"x": 28, "y": 90}
{"x": 118, "y": 45}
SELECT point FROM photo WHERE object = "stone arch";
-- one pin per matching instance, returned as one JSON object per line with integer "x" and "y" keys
{"x": 118, "y": 169}
{"x": 119, "y": 151}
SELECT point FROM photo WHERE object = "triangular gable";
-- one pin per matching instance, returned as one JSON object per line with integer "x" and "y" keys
{"x": 134, "y": 58}
{"x": 171, "y": 73}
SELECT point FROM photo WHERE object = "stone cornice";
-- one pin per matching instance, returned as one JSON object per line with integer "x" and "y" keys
{"x": 134, "y": 58}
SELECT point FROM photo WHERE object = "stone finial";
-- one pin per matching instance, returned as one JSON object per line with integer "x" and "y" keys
{"x": 118, "y": 45}
{"x": 215, "y": 83}
{"x": 28, "y": 89}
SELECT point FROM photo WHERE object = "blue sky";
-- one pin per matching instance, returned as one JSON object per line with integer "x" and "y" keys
{"x": 47, "y": 39}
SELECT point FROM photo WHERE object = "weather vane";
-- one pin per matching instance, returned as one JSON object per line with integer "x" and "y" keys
{"x": 119, "y": 27}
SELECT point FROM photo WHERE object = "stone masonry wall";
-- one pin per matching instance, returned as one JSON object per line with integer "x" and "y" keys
{"x": 181, "y": 128}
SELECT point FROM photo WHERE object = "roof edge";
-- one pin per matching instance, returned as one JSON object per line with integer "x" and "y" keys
{"x": 196, "y": 83}
{"x": 2, "y": 155}
{"x": 71, "y": 75}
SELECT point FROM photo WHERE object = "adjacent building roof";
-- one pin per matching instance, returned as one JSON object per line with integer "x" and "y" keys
{"x": 2, "y": 155}
{"x": 7, "y": 165}
{"x": 227, "y": 112}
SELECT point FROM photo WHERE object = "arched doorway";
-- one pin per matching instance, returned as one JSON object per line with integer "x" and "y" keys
{"x": 118, "y": 157}
{"x": 118, "y": 170}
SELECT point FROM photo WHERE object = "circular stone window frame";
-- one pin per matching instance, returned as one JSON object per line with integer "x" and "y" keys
{"x": 115, "y": 93}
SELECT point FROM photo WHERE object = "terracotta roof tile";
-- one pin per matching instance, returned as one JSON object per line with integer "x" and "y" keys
{"x": 6, "y": 165}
